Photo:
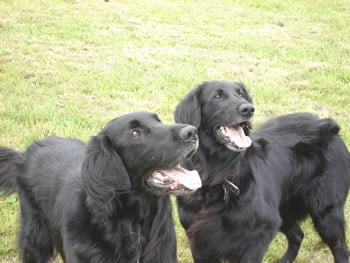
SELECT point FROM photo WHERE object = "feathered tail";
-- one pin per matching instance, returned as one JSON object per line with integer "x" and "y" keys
{"x": 9, "y": 161}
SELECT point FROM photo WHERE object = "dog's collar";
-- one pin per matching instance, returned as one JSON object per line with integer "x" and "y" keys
{"x": 229, "y": 188}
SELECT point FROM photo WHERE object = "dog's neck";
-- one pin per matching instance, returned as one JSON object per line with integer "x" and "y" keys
{"x": 135, "y": 204}
{"x": 137, "y": 216}
{"x": 212, "y": 154}
{"x": 233, "y": 172}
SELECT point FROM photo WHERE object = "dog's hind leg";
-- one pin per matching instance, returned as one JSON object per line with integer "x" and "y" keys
{"x": 330, "y": 224}
{"x": 34, "y": 239}
{"x": 294, "y": 236}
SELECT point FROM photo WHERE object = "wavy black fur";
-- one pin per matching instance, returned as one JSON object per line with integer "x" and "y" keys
{"x": 297, "y": 166}
{"x": 90, "y": 202}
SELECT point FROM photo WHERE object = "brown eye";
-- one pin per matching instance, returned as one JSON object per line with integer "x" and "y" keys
{"x": 135, "y": 134}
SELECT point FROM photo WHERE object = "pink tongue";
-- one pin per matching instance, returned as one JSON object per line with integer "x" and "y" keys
{"x": 189, "y": 179}
{"x": 237, "y": 136}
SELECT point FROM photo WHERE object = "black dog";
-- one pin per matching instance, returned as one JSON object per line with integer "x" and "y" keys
{"x": 293, "y": 166}
{"x": 104, "y": 202}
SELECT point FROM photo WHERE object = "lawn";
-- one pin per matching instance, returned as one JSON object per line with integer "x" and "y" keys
{"x": 69, "y": 66}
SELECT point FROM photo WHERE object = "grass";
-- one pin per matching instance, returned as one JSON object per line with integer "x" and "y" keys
{"x": 69, "y": 66}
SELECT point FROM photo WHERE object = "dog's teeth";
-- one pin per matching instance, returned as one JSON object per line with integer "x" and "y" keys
{"x": 158, "y": 176}
{"x": 222, "y": 128}
{"x": 180, "y": 168}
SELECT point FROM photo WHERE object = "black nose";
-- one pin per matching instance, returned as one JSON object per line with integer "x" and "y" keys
{"x": 188, "y": 133}
{"x": 246, "y": 109}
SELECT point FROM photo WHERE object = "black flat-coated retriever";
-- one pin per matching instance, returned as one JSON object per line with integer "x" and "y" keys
{"x": 293, "y": 166}
{"x": 106, "y": 201}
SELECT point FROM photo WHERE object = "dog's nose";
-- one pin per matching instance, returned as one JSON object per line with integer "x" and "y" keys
{"x": 246, "y": 109}
{"x": 188, "y": 133}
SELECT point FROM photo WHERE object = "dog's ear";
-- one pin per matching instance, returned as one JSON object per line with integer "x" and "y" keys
{"x": 189, "y": 109}
{"x": 103, "y": 172}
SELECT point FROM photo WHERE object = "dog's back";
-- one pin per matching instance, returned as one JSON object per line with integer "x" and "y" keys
{"x": 16, "y": 168}
{"x": 319, "y": 152}
{"x": 47, "y": 164}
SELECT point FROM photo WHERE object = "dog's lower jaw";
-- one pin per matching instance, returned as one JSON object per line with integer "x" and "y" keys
{"x": 234, "y": 148}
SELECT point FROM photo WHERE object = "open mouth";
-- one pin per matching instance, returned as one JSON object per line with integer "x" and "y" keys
{"x": 176, "y": 180}
{"x": 234, "y": 136}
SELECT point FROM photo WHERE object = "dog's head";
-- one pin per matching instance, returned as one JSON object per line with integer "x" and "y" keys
{"x": 136, "y": 152}
{"x": 221, "y": 108}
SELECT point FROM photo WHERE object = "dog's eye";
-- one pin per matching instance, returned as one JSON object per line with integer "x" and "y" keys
{"x": 218, "y": 96}
{"x": 135, "y": 134}
{"x": 241, "y": 94}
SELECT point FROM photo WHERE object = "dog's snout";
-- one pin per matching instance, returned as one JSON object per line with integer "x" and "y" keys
{"x": 188, "y": 133}
{"x": 246, "y": 109}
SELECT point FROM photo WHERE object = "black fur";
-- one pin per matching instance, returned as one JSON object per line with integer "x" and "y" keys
{"x": 92, "y": 203}
{"x": 296, "y": 166}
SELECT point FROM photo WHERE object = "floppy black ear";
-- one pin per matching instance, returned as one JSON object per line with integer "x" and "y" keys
{"x": 189, "y": 109}
{"x": 103, "y": 172}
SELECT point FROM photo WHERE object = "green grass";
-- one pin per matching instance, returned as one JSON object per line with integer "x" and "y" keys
{"x": 69, "y": 66}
